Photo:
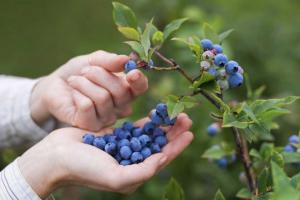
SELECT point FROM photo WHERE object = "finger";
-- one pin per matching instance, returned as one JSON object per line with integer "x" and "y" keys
{"x": 137, "y": 82}
{"x": 118, "y": 88}
{"x": 85, "y": 116}
{"x": 100, "y": 97}
{"x": 139, "y": 173}
{"x": 176, "y": 146}
{"x": 110, "y": 61}
{"x": 183, "y": 123}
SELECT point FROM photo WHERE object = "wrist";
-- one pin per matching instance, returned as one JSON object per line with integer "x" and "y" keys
{"x": 41, "y": 168}
{"x": 38, "y": 108}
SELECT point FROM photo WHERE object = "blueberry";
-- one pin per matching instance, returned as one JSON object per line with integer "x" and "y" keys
{"x": 111, "y": 148}
{"x": 294, "y": 139}
{"x": 170, "y": 122}
{"x": 155, "y": 148}
{"x": 232, "y": 67}
{"x": 125, "y": 152}
{"x": 224, "y": 85}
{"x": 145, "y": 140}
{"x": 235, "y": 80}
{"x": 135, "y": 144}
{"x": 204, "y": 65}
{"x": 208, "y": 56}
{"x": 161, "y": 140}
{"x": 123, "y": 142}
{"x": 99, "y": 142}
{"x": 151, "y": 63}
{"x": 213, "y": 71}
{"x": 146, "y": 152}
{"x": 162, "y": 109}
{"x": 125, "y": 162}
{"x": 118, "y": 157}
{"x": 117, "y": 131}
{"x": 88, "y": 138}
{"x": 136, "y": 157}
{"x": 155, "y": 118}
{"x": 222, "y": 162}
{"x": 218, "y": 49}
{"x": 124, "y": 134}
{"x": 128, "y": 126}
{"x": 206, "y": 44}
{"x": 241, "y": 70}
{"x": 213, "y": 129}
{"x": 221, "y": 60}
{"x": 289, "y": 148}
{"x": 158, "y": 132}
{"x": 149, "y": 127}
{"x": 130, "y": 65}
{"x": 137, "y": 132}
{"x": 112, "y": 139}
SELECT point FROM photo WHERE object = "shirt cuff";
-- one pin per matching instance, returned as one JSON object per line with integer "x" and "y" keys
{"x": 14, "y": 186}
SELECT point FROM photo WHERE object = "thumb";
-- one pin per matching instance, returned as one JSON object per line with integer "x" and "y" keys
{"x": 109, "y": 61}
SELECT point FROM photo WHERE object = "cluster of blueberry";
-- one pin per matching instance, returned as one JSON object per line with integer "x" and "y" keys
{"x": 134, "y": 63}
{"x": 213, "y": 129}
{"x": 214, "y": 62}
{"x": 293, "y": 142}
{"x": 129, "y": 144}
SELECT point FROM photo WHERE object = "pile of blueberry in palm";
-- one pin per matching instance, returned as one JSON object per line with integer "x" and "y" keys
{"x": 293, "y": 144}
{"x": 228, "y": 73}
{"x": 129, "y": 144}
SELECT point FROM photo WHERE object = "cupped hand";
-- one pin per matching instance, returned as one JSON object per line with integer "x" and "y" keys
{"x": 89, "y": 91}
{"x": 62, "y": 159}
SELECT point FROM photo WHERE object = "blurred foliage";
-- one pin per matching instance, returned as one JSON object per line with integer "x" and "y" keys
{"x": 36, "y": 37}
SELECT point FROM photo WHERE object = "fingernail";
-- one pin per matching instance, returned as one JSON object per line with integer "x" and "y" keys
{"x": 135, "y": 76}
{"x": 85, "y": 70}
{"x": 162, "y": 160}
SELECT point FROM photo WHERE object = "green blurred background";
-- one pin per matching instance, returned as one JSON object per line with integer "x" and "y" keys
{"x": 36, "y": 37}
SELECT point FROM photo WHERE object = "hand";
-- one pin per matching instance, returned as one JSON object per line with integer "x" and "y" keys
{"x": 62, "y": 159}
{"x": 88, "y": 92}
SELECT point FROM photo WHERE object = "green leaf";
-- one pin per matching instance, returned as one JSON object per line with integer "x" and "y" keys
{"x": 172, "y": 27}
{"x": 188, "y": 101}
{"x": 123, "y": 15}
{"x": 295, "y": 181}
{"x": 230, "y": 120}
{"x": 264, "y": 180}
{"x": 261, "y": 131}
{"x": 247, "y": 109}
{"x": 145, "y": 39}
{"x": 204, "y": 78}
{"x": 193, "y": 45}
{"x": 209, "y": 33}
{"x": 225, "y": 34}
{"x": 173, "y": 191}
{"x": 255, "y": 153}
{"x": 214, "y": 152}
{"x": 266, "y": 151}
{"x": 158, "y": 38}
{"x": 129, "y": 33}
{"x": 291, "y": 157}
{"x": 244, "y": 193}
{"x": 278, "y": 159}
{"x": 138, "y": 48}
{"x": 175, "y": 109}
{"x": 219, "y": 196}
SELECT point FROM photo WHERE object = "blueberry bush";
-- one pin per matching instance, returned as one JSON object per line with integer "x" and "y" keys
{"x": 250, "y": 122}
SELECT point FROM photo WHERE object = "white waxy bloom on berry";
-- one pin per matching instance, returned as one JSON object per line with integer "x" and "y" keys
{"x": 204, "y": 65}
{"x": 208, "y": 55}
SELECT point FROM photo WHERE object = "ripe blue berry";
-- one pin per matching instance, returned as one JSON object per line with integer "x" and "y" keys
{"x": 112, "y": 139}
{"x": 218, "y": 49}
{"x": 222, "y": 162}
{"x": 111, "y": 148}
{"x": 137, "y": 132}
{"x": 158, "y": 132}
{"x": 221, "y": 60}
{"x": 125, "y": 152}
{"x": 135, "y": 144}
{"x": 130, "y": 65}
{"x": 125, "y": 162}
{"x": 161, "y": 140}
{"x": 289, "y": 148}
{"x": 232, "y": 67}
{"x": 170, "y": 122}
{"x": 206, "y": 44}
{"x": 88, "y": 138}
{"x": 99, "y": 142}
{"x": 145, "y": 140}
{"x": 213, "y": 71}
{"x": 294, "y": 139}
{"x": 235, "y": 80}
{"x": 123, "y": 142}
{"x": 213, "y": 129}
{"x": 128, "y": 126}
{"x": 155, "y": 118}
{"x": 146, "y": 152}
{"x": 151, "y": 63}
{"x": 162, "y": 109}
{"x": 136, "y": 157}
{"x": 149, "y": 127}
{"x": 155, "y": 148}
{"x": 124, "y": 134}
